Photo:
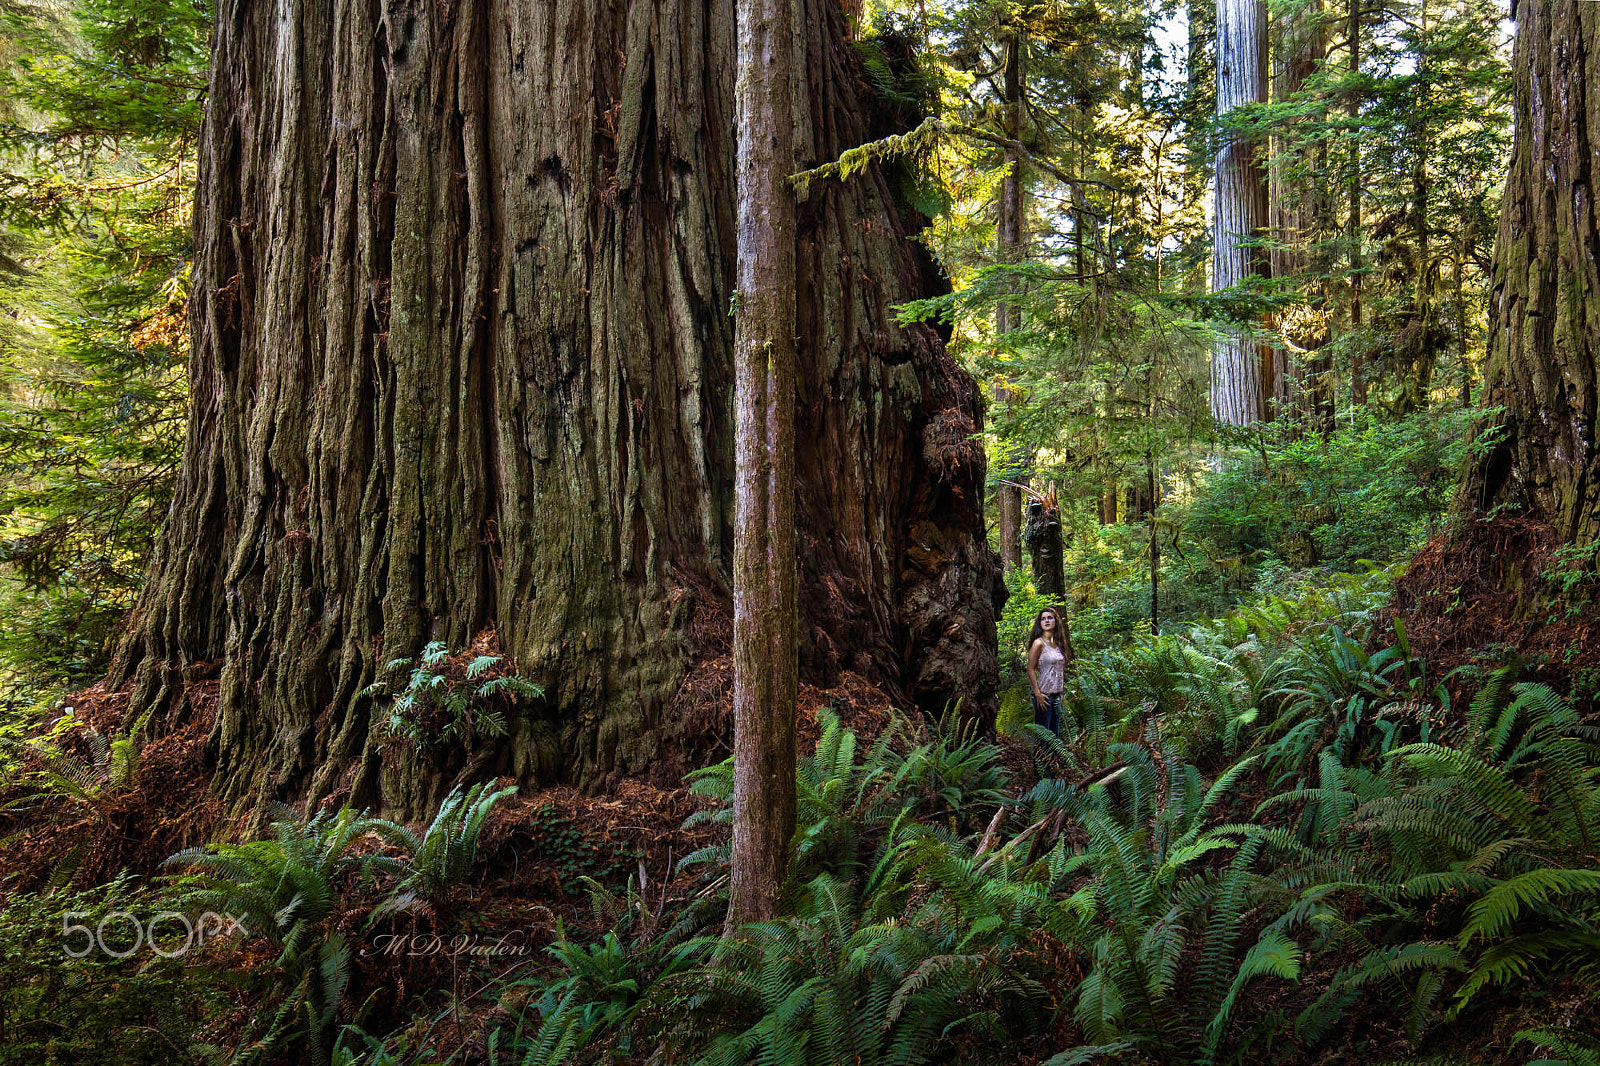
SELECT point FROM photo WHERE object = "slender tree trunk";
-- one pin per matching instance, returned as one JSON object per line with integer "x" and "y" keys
{"x": 1425, "y": 332}
{"x": 1243, "y": 378}
{"x": 1463, "y": 330}
{"x": 765, "y": 639}
{"x": 1353, "y": 232}
{"x": 462, "y": 365}
{"x": 1008, "y": 313}
{"x": 1544, "y": 301}
{"x": 1155, "y": 545}
{"x": 1301, "y": 217}
{"x": 1109, "y": 492}
{"x": 1081, "y": 251}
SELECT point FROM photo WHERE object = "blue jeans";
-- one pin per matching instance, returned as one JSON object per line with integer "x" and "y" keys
{"x": 1048, "y": 714}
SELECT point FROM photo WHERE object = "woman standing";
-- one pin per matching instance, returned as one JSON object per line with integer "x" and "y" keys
{"x": 1049, "y": 648}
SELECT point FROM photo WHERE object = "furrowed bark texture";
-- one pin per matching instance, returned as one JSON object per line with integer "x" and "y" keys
{"x": 765, "y": 639}
{"x": 1544, "y": 305}
{"x": 1242, "y": 371}
{"x": 462, "y": 357}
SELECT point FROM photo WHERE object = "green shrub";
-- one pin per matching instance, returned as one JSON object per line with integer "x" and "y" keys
{"x": 1281, "y": 514}
{"x": 98, "y": 1009}
{"x": 1369, "y": 490}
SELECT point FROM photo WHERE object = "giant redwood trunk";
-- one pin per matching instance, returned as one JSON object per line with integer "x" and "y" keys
{"x": 1544, "y": 304}
{"x": 462, "y": 362}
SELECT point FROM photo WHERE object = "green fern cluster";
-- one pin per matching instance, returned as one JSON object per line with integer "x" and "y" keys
{"x": 1266, "y": 680}
{"x": 850, "y": 800}
{"x": 301, "y": 887}
{"x": 1488, "y": 845}
{"x": 897, "y": 943}
{"x": 87, "y": 784}
{"x": 1284, "y": 827}
{"x": 285, "y": 890}
{"x": 440, "y": 706}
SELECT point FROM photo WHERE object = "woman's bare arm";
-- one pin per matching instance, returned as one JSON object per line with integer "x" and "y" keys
{"x": 1033, "y": 668}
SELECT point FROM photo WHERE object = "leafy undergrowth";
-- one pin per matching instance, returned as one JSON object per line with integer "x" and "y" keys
{"x": 1264, "y": 841}
{"x": 91, "y": 799}
{"x": 1276, "y": 838}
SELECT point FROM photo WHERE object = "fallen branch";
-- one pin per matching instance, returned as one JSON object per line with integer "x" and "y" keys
{"x": 990, "y": 833}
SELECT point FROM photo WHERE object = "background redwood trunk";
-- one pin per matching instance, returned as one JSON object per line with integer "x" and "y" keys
{"x": 1243, "y": 378}
{"x": 462, "y": 359}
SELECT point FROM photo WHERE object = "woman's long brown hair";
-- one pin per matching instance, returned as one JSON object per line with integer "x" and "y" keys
{"x": 1063, "y": 639}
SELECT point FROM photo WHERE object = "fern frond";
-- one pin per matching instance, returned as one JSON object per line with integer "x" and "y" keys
{"x": 1503, "y": 904}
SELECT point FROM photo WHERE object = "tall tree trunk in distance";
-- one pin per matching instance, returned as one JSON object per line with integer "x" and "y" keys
{"x": 1300, "y": 216}
{"x": 462, "y": 367}
{"x": 1153, "y": 495}
{"x": 1044, "y": 545}
{"x": 1200, "y": 96}
{"x": 1108, "y": 483}
{"x": 1353, "y": 234}
{"x": 1242, "y": 371}
{"x": 1423, "y": 330}
{"x": 1008, "y": 314}
{"x": 1544, "y": 300}
{"x": 1463, "y": 329}
{"x": 766, "y": 645}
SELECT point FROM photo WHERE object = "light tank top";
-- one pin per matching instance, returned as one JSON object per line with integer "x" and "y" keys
{"x": 1052, "y": 669}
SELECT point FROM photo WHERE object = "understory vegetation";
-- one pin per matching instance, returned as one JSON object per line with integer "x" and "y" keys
{"x": 1298, "y": 848}
{"x": 1291, "y": 514}
{"x": 1266, "y": 838}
